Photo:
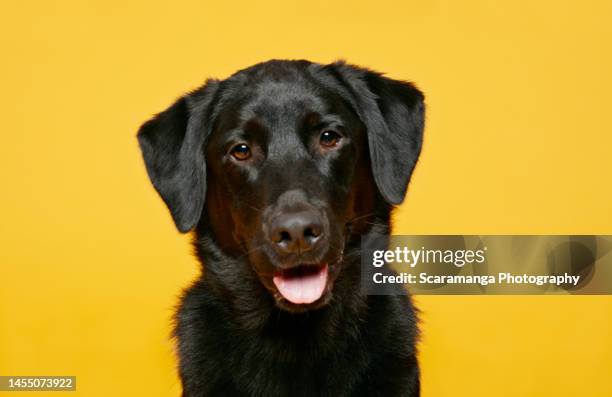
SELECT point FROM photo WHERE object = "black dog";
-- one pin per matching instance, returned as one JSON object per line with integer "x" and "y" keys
{"x": 282, "y": 169}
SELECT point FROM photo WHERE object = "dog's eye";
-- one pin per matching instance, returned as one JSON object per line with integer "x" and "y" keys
{"x": 329, "y": 138}
{"x": 241, "y": 152}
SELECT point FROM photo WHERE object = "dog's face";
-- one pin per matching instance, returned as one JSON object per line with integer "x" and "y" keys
{"x": 282, "y": 161}
{"x": 278, "y": 161}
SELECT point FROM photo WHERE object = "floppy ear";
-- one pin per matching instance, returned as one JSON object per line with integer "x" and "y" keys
{"x": 172, "y": 145}
{"x": 393, "y": 112}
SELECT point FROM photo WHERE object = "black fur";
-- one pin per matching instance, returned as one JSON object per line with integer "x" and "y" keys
{"x": 237, "y": 336}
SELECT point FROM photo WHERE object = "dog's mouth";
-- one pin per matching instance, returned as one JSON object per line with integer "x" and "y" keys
{"x": 303, "y": 284}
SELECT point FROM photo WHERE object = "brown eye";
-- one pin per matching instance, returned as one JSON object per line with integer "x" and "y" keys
{"x": 241, "y": 152}
{"x": 329, "y": 138}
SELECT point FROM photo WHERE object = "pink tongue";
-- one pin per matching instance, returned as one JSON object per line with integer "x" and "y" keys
{"x": 305, "y": 288}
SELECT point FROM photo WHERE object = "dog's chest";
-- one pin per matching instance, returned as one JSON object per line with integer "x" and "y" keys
{"x": 295, "y": 368}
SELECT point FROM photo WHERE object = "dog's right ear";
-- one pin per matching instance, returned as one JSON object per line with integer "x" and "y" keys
{"x": 172, "y": 145}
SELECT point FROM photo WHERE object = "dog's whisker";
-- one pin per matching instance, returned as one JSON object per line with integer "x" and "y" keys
{"x": 361, "y": 217}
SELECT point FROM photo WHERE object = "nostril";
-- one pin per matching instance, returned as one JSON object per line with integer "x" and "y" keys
{"x": 284, "y": 236}
{"x": 281, "y": 237}
{"x": 312, "y": 232}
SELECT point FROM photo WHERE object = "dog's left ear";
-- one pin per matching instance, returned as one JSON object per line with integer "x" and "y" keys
{"x": 172, "y": 145}
{"x": 393, "y": 112}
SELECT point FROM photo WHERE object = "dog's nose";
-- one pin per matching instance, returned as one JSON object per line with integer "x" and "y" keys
{"x": 296, "y": 232}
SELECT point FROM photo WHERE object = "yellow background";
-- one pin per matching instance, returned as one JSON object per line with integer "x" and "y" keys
{"x": 518, "y": 141}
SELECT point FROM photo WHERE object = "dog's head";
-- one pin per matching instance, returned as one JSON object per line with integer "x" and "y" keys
{"x": 279, "y": 161}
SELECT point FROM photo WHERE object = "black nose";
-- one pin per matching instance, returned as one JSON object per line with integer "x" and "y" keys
{"x": 296, "y": 232}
